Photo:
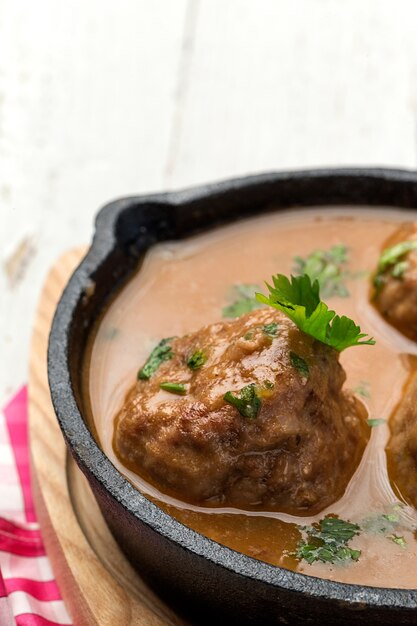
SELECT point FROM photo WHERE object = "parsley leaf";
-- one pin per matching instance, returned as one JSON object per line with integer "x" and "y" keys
{"x": 300, "y": 300}
{"x": 244, "y": 301}
{"x": 246, "y": 401}
{"x": 392, "y": 262}
{"x": 162, "y": 352}
{"x": 177, "y": 388}
{"x": 327, "y": 542}
{"x": 300, "y": 364}
{"x": 328, "y": 267}
{"x": 196, "y": 360}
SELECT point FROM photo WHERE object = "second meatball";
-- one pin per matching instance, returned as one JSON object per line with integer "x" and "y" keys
{"x": 395, "y": 281}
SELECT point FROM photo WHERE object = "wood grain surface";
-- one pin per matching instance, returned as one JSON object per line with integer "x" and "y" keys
{"x": 97, "y": 583}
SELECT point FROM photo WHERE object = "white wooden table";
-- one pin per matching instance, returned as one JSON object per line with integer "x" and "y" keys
{"x": 101, "y": 99}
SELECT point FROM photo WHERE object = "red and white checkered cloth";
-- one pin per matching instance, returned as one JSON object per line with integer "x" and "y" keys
{"x": 29, "y": 595}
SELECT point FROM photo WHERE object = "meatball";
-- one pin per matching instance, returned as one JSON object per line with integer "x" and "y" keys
{"x": 395, "y": 283}
{"x": 264, "y": 422}
{"x": 402, "y": 446}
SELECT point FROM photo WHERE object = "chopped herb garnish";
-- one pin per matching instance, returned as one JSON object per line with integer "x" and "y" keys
{"x": 248, "y": 336}
{"x": 363, "y": 389}
{"x": 392, "y": 262}
{"x": 244, "y": 301}
{"x": 268, "y": 384}
{"x": 398, "y": 539}
{"x": 387, "y": 524}
{"x": 246, "y": 401}
{"x": 328, "y": 267}
{"x": 177, "y": 388}
{"x": 399, "y": 269}
{"x": 300, "y": 364}
{"x": 162, "y": 352}
{"x": 391, "y": 256}
{"x": 270, "y": 329}
{"x": 300, "y": 301}
{"x": 196, "y": 360}
{"x": 375, "y": 422}
{"x": 335, "y": 529}
{"x": 380, "y": 523}
{"x": 328, "y": 541}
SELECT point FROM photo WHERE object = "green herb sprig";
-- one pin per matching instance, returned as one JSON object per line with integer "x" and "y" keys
{"x": 300, "y": 300}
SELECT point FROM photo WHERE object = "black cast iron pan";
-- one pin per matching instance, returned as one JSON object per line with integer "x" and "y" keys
{"x": 202, "y": 579}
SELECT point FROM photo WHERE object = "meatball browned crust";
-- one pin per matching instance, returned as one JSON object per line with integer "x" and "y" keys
{"x": 297, "y": 454}
{"x": 396, "y": 288}
{"x": 402, "y": 446}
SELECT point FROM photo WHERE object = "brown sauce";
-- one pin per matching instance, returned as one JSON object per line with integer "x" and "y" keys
{"x": 183, "y": 286}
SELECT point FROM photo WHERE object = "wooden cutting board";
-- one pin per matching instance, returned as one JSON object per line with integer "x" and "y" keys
{"x": 99, "y": 586}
